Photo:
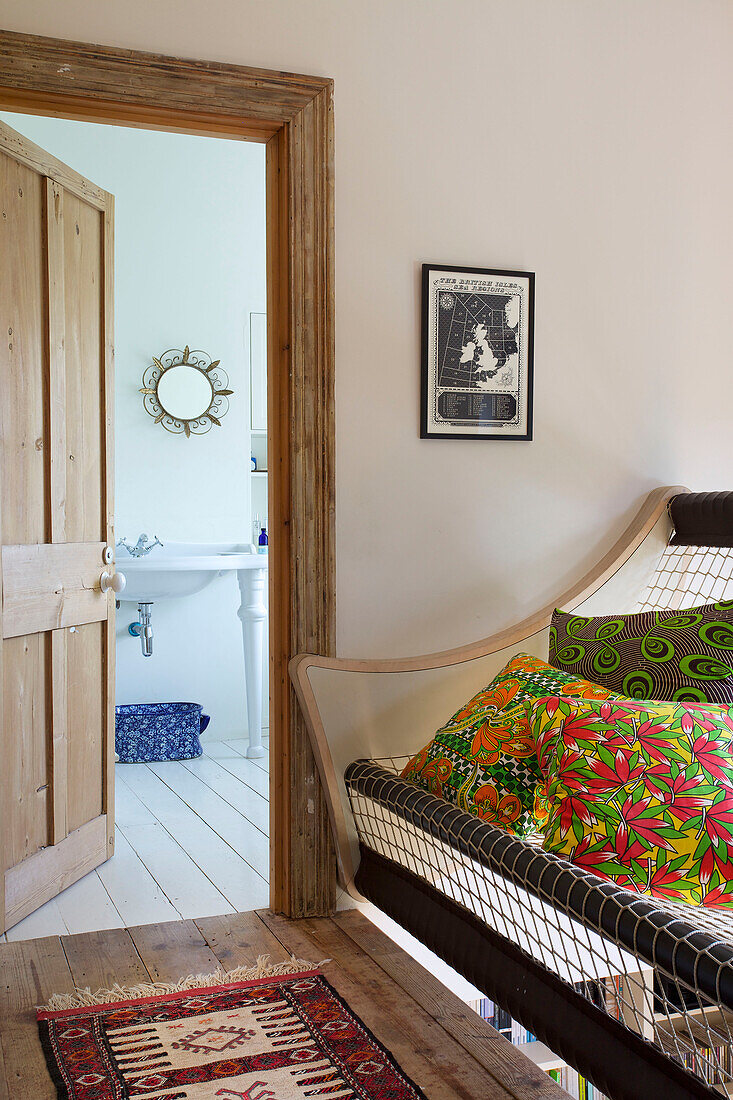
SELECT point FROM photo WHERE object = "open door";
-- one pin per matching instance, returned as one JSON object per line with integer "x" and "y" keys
{"x": 56, "y": 527}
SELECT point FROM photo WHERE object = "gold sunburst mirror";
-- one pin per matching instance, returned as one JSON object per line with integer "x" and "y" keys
{"x": 186, "y": 391}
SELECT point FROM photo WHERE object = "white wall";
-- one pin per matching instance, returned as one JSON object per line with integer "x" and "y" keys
{"x": 189, "y": 268}
{"x": 588, "y": 142}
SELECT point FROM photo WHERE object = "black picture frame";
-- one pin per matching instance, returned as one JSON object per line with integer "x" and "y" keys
{"x": 501, "y": 409}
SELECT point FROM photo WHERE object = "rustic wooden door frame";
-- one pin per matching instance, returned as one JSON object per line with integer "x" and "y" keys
{"x": 293, "y": 116}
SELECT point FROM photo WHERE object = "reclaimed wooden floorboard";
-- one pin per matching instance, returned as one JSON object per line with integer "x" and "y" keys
{"x": 32, "y": 971}
{"x": 173, "y": 950}
{"x": 435, "y": 1061}
{"x": 447, "y": 1050}
{"x": 492, "y": 1050}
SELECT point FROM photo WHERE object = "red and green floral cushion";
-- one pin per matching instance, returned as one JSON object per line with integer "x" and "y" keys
{"x": 484, "y": 758}
{"x": 641, "y": 793}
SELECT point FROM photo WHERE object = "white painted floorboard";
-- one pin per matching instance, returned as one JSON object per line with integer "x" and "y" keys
{"x": 129, "y": 810}
{"x": 138, "y": 897}
{"x": 217, "y": 815}
{"x": 186, "y": 886}
{"x": 241, "y": 748}
{"x": 87, "y": 907}
{"x": 46, "y": 921}
{"x": 191, "y": 842}
{"x": 163, "y": 803}
{"x": 246, "y": 770}
{"x": 231, "y": 789}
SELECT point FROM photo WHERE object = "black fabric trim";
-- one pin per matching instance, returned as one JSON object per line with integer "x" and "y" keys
{"x": 702, "y": 519}
{"x": 614, "y": 1059}
{"x": 52, "y": 1065}
{"x": 669, "y": 944}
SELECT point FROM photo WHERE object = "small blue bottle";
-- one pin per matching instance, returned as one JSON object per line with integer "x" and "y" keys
{"x": 262, "y": 542}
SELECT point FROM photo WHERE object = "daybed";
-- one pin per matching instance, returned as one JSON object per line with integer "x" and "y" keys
{"x": 635, "y": 992}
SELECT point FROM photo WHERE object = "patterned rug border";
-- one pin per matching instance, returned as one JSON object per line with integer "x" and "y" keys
{"x": 84, "y": 1001}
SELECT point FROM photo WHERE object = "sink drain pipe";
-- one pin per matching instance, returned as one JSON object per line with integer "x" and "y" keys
{"x": 143, "y": 628}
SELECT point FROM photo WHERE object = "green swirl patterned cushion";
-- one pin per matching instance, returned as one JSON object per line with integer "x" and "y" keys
{"x": 484, "y": 759}
{"x": 685, "y": 656}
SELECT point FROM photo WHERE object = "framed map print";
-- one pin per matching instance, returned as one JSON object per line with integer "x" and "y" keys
{"x": 477, "y": 353}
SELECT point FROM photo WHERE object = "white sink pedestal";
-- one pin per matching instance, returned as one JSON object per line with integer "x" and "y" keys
{"x": 253, "y": 613}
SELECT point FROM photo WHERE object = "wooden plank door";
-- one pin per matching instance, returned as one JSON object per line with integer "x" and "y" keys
{"x": 56, "y": 479}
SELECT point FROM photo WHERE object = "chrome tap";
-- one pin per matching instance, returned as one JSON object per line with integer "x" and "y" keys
{"x": 141, "y": 548}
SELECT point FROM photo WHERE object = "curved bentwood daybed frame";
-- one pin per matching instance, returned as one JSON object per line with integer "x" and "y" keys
{"x": 635, "y": 992}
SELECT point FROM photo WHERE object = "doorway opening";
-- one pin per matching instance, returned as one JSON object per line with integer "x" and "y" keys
{"x": 52, "y": 838}
{"x": 190, "y": 492}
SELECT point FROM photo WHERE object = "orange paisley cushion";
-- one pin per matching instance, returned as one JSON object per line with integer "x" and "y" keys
{"x": 484, "y": 759}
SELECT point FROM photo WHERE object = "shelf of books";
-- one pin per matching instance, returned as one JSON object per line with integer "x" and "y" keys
{"x": 686, "y": 1035}
{"x": 713, "y": 1064}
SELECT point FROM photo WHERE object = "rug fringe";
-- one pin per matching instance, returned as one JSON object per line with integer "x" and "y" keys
{"x": 83, "y": 998}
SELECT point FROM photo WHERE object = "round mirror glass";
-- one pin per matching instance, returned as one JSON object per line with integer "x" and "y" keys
{"x": 185, "y": 392}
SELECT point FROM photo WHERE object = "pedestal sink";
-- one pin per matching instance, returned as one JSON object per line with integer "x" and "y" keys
{"x": 179, "y": 569}
{"x": 182, "y": 568}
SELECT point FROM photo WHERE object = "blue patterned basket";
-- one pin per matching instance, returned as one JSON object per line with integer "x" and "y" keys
{"x": 158, "y": 731}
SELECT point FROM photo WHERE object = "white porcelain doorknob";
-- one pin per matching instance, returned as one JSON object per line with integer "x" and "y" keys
{"x": 115, "y": 581}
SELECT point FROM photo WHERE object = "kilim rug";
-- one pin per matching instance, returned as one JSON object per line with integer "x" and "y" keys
{"x": 279, "y": 1037}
